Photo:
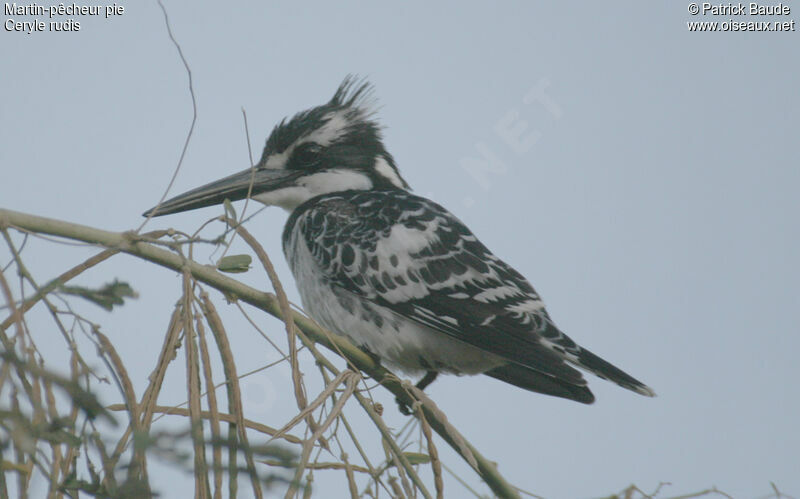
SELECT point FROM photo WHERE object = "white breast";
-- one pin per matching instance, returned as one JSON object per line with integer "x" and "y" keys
{"x": 399, "y": 342}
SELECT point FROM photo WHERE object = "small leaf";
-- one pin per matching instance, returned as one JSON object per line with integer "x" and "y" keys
{"x": 61, "y": 437}
{"x": 413, "y": 458}
{"x": 109, "y": 295}
{"x": 234, "y": 264}
{"x": 417, "y": 457}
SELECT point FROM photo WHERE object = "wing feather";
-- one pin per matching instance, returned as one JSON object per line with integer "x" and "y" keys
{"x": 410, "y": 255}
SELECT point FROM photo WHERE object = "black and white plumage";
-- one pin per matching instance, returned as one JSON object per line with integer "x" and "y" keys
{"x": 396, "y": 273}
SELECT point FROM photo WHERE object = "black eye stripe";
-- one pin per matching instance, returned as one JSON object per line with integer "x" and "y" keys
{"x": 305, "y": 155}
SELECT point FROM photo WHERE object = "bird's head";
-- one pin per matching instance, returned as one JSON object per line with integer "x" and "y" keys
{"x": 330, "y": 148}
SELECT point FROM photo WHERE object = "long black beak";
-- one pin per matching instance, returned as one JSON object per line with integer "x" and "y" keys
{"x": 234, "y": 188}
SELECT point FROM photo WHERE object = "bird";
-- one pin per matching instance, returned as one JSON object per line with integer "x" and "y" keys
{"x": 397, "y": 274}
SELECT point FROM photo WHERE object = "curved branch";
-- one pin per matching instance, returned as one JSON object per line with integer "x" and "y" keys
{"x": 129, "y": 242}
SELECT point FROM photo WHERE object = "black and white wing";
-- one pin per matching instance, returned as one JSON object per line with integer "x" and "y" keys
{"x": 410, "y": 255}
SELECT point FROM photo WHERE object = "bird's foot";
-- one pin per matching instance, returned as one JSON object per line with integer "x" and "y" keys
{"x": 426, "y": 380}
{"x": 404, "y": 409}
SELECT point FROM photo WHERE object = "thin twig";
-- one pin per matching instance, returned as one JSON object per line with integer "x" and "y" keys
{"x": 202, "y": 486}
{"x": 234, "y": 398}
{"x": 436, "y": 464}
{"x": 286, "y": 311}
{"x": 307, "y": 329}
{"x": 194, "y": 116}
{"x": 351, "y": 380}
{"x": 211, "y": 396}
{"x": 228, "y": 418}
{"x": 321, "y": 398}
{"x": 58, "y": 281}
{"x": 250, "y": 185}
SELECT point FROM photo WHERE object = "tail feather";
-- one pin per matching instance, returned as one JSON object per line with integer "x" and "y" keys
{"x": 606, "y": 370}
{"x": 535, "y": 381}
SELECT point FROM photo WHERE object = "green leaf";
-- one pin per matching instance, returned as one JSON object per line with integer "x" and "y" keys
{"x": 61, "y": 437}
{"x": 107, "y": 297}
{"x": 234, "y": 264}
{"x": 417, "y": 457}
{"x": 413, "y": 458}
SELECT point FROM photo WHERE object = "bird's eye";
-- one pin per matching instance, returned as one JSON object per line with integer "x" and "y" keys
{"x": 306, "y": 155}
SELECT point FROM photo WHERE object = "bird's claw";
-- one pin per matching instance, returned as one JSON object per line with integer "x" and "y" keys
{"x": 404, "y": 409}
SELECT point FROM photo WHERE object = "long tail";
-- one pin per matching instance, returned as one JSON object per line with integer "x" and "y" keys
{"x": 535, "y": 381}
{"x": 606, "y": 370}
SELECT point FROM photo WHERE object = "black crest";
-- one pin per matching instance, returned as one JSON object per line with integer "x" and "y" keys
{"x": 354, "y": 95}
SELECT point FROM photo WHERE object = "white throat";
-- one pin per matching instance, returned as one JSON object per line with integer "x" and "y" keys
{"x": 313, "y": 185}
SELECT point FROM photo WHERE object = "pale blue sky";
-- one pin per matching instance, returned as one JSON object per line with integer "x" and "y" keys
{"x": 655, "y": 209}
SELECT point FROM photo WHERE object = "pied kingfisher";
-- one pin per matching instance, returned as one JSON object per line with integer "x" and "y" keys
{"x": 397, "y": 274}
